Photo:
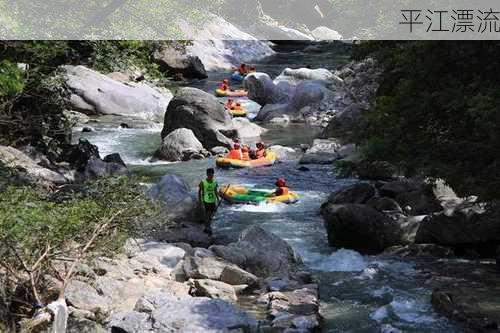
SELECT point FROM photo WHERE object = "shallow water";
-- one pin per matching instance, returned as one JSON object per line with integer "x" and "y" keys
{"x": 358, "y": 293}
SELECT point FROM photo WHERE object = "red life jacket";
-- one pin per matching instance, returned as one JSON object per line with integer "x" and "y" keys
{"x": 235, "y": 154}
{"x": 282, "y": 191}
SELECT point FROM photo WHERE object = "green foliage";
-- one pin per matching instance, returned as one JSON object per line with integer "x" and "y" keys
{"x": 11, "y": 79}
{"x": 43, "y": 234}
{"x": 437, "y": 112}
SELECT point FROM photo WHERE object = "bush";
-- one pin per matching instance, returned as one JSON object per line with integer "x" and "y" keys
{"x": 44, "y": 236}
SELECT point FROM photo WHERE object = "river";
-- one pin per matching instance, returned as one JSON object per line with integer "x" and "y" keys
{"x": 358, "y": 293}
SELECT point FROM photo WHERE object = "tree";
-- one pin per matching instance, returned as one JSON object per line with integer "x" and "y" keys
{"x": 437, "y": 112}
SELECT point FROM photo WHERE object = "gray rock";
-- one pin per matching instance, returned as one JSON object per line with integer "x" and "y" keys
{"x": 130, "y": 322}
{"x": 95, "y": 93}
{"x": 464, "y": 227}
{"x": 175, "y": 196}
{"x": 180, "y": 145}
{"x": 322, "y": 151}
{"x": 247, "y": 131}
{"x": 185, "y": 232}
{"x": 114, "y": 158}
{"x": 283, "y": 153}
{"x": 325, "y": 33}
{"x": 397, "y": 187}
{"x": 219, "y": 151}
{"x": 215, "y": 289}
{"x": 385, "y": 204}
{"x": 211, "y": 44}
{"x": 97, "y": 168}
{"x": 356, "y": 194}
{"x": 200, "y": 112}
{"x": 201, "y": 314}
{"x": 83, "y": 296}
{"x": 360, "y": 227}
{"x": 82, "y": 325}
{"x": 267, "y": 254}
{"x": 230, "y": 253}
{"x": 262, "y": 89}
{"x": 27, "y": 168}
{"x": 203, "y": 264}
{"x": 295, "y": 76}
{"x": 419, "y": 202}
{"x": 236, "y": 276}
{"x": 175, "y": 61}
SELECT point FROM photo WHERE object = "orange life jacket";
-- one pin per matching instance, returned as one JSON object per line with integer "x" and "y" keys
{"x": 260, "y": 153}
{"x": 235, "y": 154}
{"x": 245, "y": 156}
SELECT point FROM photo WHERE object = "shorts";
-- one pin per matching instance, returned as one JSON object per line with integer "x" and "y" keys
{"x": 209, "y": 208}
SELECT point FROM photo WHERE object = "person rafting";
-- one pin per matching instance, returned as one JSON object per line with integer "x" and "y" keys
{"x": 237, "y": 106}
{"x": 208, "y": 195}
{"x": 224, "y": 86}
{"x": 230, "y": 105}
{"x": 260, "y": 152}
{"x": 281, "y": 189}
{"x": 245, "y": 153}
{"x": 242, "y": 70}
{"x": 235, "y": 153}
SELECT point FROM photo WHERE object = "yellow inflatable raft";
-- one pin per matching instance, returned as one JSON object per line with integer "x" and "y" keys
{"x": 238, "y": 112}
{"x": 268, "y": 160}
{"x": 244, "y": 195}
{"x": 230, "y": 93}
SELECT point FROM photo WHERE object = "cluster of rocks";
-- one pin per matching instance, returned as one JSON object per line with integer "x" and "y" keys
{"x": 197, "y": 125}
{"x": 156, "y": 287}
{"x": 412, "y": 218}
{"x": 357, "y": 85}
{"x": 334, "y": 100}
{"x": 75, "y": 163}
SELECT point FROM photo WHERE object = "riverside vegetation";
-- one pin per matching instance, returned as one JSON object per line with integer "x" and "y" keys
{"x": 433, "y": 114}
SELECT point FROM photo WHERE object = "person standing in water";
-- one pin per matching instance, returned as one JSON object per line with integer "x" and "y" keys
{"x": 208, "y": 195}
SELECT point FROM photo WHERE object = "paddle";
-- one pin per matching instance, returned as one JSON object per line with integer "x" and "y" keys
{"x": 220, "y": 202}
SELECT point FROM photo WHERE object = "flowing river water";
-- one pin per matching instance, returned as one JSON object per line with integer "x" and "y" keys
{"x": 358, "y": 293}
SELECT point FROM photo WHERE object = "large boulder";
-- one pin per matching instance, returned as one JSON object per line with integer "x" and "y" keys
{"x": 201, "y": 314}
{"x": 180, "y": 145}
{"x": 295, "y": 76}
{"x": 360, "y": 227}
{"x": 175, "y": 61}
{"x": 263, "y": 90}
{"x": 325, "y": 33}
{"x": 94, "y": 93}
{"x": 304, "y": 94}
{"x": 215, "y": 289}
{"x": 322, "y": 151}
{"x": 203, "y": 264}
{"x": 266, "y": 254}
{"x": 357, "y": 194}
{"x": 175, "y": 196}
{"x": 27, "y": 168}
{"x": 200, "y": 112}
{"x": 159, "y": 311}
{"x": 466, "y": 227}
{"x": 221, "y": 45}
{"x": 247, "y": 131}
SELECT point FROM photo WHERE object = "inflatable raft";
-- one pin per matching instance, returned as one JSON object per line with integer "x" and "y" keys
{"x": 244, "y": 195}
{"x": 268, "y": 160}
{"x": 237, "y": 112}
{"x": 230, "y": 93}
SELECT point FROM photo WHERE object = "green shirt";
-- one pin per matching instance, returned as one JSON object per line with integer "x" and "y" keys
{"x": 209, "y": 191}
